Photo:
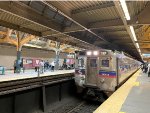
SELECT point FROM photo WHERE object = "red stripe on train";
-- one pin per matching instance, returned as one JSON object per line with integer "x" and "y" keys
{"x": 106, "y": 76}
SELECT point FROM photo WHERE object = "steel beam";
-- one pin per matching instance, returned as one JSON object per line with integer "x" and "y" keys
{"x": 91, "y": 8}
{"x": 74, "y": 28}
{"x": 26, "y": 39}
{"x": 145, "y": 45}
{"x": 122, "y": 41}
{"x": 142, "y": 18}
{"x": 80, "y": 36}
{"x": 25, "y": 12}
{"x": 68, "y": 15}
{"x": 145, "y": 50}
{"x": 7, "y": 39}
{"x": 19, "y": 28}
{"x": 143, "y": 41}
{"x": 96, "y": 25}
{"x": 121, "y": 13}
{"x": 107, "y": 23}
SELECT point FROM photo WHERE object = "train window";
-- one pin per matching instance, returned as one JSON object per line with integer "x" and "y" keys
{"x": 81, "y": 62}
{"x": 93, "y": 63}
{"x": 105, "y": 63}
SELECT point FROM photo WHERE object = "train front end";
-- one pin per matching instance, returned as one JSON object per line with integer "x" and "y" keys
{"x": 101, "y": 71}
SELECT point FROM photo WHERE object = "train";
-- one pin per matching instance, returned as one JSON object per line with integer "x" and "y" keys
{"x": 101, "y": 72}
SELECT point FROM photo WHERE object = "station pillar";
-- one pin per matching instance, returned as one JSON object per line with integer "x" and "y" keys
{"x": 57, "y": 51}
{"x": 18, "y": 62}
{"x": 17, "y": 65}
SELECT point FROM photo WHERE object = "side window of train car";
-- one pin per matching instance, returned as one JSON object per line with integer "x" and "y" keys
{"x": 93, "y": 63}
{"x": 105, "y": 63}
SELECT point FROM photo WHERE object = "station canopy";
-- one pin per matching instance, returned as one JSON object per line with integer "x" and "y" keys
{"x": 116, "y": 25}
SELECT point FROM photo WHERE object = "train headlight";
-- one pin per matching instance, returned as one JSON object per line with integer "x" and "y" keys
{"x": 95, "y": 53}
{"x": 89, "y": 53}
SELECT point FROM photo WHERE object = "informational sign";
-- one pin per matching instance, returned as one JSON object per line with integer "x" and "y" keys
{"x": 70, "y": 56}
{"x": 70, "y": 61}
{"x": 27, "y": 61}
{"x": 36, "y": 62}
{"x": 31, "y": 62}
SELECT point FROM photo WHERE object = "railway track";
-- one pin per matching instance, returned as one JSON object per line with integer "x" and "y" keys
{"x": 84, "y": 108}
{"x": 8, "y": 87}
{"x": 76, "y": 106}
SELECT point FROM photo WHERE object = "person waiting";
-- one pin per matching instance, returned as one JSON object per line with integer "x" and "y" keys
{"x": 148, "y": 70}
{"x": 42, "y": 66}
{"x": 52, "y": 66}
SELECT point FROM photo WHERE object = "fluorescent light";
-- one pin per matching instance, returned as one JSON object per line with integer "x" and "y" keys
{"x": 139, "y": 50}
{"x": 137, "y": 45}
{"x": 133, "y": 33}
{"x": 125, "y": 9}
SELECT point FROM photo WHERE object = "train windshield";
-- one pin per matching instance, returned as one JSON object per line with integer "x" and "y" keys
{"x": 93, "y": 63}
{"x": 105, "y": 63}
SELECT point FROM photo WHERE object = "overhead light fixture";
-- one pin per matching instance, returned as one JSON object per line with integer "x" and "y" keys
{"x": 133, "y": 33}
{"x": 89, "y": 53}
{"x": 125, "y": 9}
{"x": 139, "y": 50}
{"x": 137, "y": 44}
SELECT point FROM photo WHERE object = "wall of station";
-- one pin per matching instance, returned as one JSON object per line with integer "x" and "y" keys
{"x": 8, "y": 55}
{"x": 30, "y": 101}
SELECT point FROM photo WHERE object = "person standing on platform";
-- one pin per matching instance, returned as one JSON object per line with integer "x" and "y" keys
{"x": 15, "y": 66}
{"x": 52, "y": 66}
{"x": 142, "y": 67}
{"x": 148, "y": 70}
{"x": 145, "y": 67}
{"x": 42, "y": 66}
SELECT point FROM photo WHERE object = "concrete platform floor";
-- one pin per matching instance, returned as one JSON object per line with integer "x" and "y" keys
{"x": 9, "y": 75}
{"x": 138, "y": 100}
{"x": 132, "y": 97}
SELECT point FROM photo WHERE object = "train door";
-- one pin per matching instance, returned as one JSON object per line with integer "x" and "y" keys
{"x": 91, "y": 74}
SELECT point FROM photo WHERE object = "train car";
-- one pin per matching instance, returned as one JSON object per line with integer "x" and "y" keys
{"x": 103, "y": 70}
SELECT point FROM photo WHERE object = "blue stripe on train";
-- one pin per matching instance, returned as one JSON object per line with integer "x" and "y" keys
{"x": 107, "y": 73}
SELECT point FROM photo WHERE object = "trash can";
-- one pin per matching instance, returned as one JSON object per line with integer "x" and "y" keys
{"x": 2, "y": 70}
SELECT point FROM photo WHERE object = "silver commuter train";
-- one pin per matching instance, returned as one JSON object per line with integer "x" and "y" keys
{"x": 103, "y": 70}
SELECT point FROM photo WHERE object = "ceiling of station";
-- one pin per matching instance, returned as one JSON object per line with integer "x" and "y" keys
{"x": 87, "y": 24}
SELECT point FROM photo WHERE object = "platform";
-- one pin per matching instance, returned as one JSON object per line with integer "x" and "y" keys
{"x": 132, "y": 97}
{"x": 9, "y": 76}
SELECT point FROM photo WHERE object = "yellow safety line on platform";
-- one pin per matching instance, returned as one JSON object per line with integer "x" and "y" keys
{"x": 114, "y": 103}
{"x": 136, "y": 83}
